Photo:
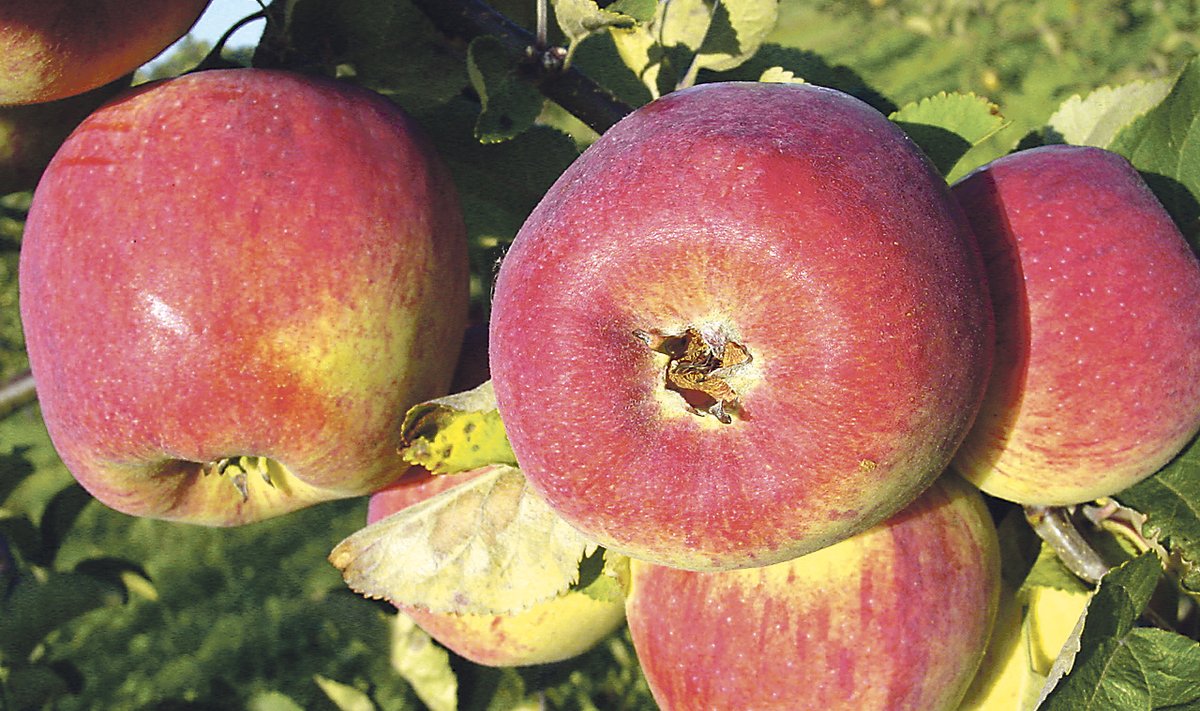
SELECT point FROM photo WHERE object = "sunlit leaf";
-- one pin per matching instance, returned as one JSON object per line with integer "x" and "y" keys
{"x": 424, "y": 665}
{"x": 1164, "y": 144}
{"x": 1094, "y": 120}
{"x": 456, "y": 433}
{"x": 344, "y": 696}
{"x": 488, "y": 546}
{"x": 580, "y": 18}
{"x": 946, "y": 126}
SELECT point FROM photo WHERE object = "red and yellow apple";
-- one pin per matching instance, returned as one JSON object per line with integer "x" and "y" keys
{"x": 748, "y": 322}
{"x": 1096, "y": 383}
{"x": 31, "y": 134}
{"x": 233, "y": 286}
{"x": 896, "y": 617}
{"x": 52, "y": 49}
{"x": 551, "y": 631}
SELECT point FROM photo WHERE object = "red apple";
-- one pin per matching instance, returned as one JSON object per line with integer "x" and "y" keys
{"x": 551, "y": 631}
{"x": 30, "y": 135}
{"x": 52, "y": 49}
{"x": 240, "y": 263}
{"x": 748, "y": 322}
{"x": 897, "y": 617}
{"x": 1097, "y": 300}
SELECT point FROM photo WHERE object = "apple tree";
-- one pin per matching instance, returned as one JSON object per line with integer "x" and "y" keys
{"x": 1065, "y": 596}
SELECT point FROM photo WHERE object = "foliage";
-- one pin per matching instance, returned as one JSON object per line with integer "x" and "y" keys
{"x": 98, "y": 610}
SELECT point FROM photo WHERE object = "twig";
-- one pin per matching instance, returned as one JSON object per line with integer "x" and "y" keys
{"x": 16, "y": 393}
{"x": 1054, "y": 526}
{"x": 566, "y": 86}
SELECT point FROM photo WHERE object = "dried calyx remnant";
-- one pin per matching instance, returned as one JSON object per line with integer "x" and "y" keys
{"x": 698, "y": 368}
{"x": 239, "y": 469}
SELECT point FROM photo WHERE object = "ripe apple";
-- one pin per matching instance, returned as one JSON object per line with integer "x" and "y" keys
{"x": 551, "y": 631}
{"x": 748, "y": 322}
{"x": 896, "y": 617}
{"x": 52, "y": 49}
{"x": 240, "y": 272}
{"x": 30, "y": 135}
{"x": 1097, "y": 299}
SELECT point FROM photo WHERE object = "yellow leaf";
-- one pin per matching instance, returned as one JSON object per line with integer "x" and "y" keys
{"x": 487, "y": 546}
{"x": 457, "y": 433}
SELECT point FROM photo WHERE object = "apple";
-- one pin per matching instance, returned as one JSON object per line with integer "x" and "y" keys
{"x": 748, "y": 322}
{"x": 896, "y": 617}
{"x": 30, "y": 135}
{"x": 233, "y": 286}
{"x": 52, "y": 49}
{"x": 1096, "y": 383}
{"x": 551, "y": 631}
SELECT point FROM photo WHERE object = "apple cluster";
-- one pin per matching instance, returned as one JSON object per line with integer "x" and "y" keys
{"x": 750, "y": 339}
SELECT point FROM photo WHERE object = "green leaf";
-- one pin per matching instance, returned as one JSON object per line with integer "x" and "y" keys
{"x": 686, "y": 36}
{"x": 488, "y": 546}
{"x": 344, "y": 696}
{"x": 604, "y": 576}
{"x": 456, "y": 433}
{"x": 1164, "y": 145}
{"x": 510, "y": 104}
{"x": 1049, "y": 572}
{"x": 1119, "y": 601}
{"x": 423, "y": 664}
{"x": 35, "y": 686}
{"x": 36, "y": 608}
{"x": 59, "y": 517}
{"x": 1145, "y": 669}
{"x": 946, "y": 126}
{"x": 272, "y": 701}
{"x": 580, "y": 18}
{"x": 14, "y": 467}
{"x": 1170, "y": 500}
{"x": 779, "y": 75}
{"x": 1096, "y": 119}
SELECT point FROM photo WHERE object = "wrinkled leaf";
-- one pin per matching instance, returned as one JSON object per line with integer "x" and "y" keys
{"x": 604, "y": 576}
{"x": 1171, "y": 502}
{"x": 424, "y": 665}
{"x": 1164, "y": 144}
{"x": 344, "y": 696}
{"x": 1146, "y": 668}
{"x": 946, "y": 126}
{"x": 456, "y": 433}
{"x": 1115, "y": 607}
{"x": 488, "y": 546}
{"x": 1094, "y": 120}
{"x": 510, "y": 104}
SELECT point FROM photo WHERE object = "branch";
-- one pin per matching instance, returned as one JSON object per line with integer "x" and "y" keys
{"x": 567, "y": 87}
{"x": 16, "y": 393}
{"x": 1054, "y": 526}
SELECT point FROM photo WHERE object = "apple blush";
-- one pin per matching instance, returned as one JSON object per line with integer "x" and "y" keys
{"x": 748, "y": 322}
{"x": 233, "y": 286}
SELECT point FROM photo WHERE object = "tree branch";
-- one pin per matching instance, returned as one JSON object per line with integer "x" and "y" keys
{"x": 567, "y": 87}
{"x": 16, "y": 393}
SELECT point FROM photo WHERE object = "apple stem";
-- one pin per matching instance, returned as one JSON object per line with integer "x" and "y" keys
{"x": 18, "y": 392}
{"x": 1053, "y": 525}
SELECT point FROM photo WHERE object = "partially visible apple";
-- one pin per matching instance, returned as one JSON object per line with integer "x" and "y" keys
{"x": 30, "y": 135}
{"x": 551, "y": 631}
{"x": 52, "y": 49}
{"x": 1097, "y": 299}
{"x": 748, "y": 322}
{"x": 245, "y": 273}
{"x": 897, "y": 617}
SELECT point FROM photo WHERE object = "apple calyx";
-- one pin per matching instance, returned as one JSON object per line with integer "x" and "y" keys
{"x": 699, "y": 366}
{"x": 239, "y": 469}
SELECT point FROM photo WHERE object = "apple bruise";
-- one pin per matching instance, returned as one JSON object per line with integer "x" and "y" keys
{"x": 698, "y": 368}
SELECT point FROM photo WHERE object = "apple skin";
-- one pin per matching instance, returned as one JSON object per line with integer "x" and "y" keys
{"x": 30, "y": 135}
{"x": 897, "y": 617}
{"x": 1096, "y": 383}
{"x": 240, "y": 262}
{"x": 548, "y": 632}
{"x": 52, "y": 49}
{"x": 803, "y": 225}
